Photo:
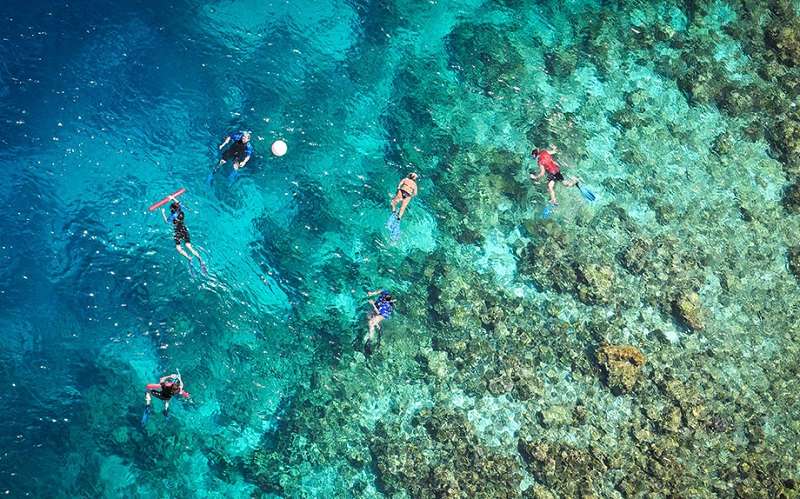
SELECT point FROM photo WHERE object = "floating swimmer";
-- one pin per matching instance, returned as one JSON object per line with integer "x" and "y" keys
{"x": 406, "y": 189}
{"x": 240, "y": 152}
{"x": 547, "y": 166}
{"x": 382, "y": 308}
{"x": 180, "y": 232}
{"x": 166, "y": 388}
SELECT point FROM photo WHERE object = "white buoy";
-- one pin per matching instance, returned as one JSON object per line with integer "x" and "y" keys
{"x": 279, "y": 148}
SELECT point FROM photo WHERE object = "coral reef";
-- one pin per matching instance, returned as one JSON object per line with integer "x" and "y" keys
{"x": 442, "y": 458}
{"x": 550, "y": 464}
{"x": 622, "y": 365}
{"x": 794, "y": 261}
{"x": 783, "y": 35}
{"x": 791, "y": 198}
{"x": 689, "y": 309}
{"x": 484, "y": 56}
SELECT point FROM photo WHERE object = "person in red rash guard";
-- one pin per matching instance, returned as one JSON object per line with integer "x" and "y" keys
{"x": 548, "y": 166}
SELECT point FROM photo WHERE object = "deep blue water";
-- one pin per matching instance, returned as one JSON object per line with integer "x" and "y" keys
{"x": 106, "y": 108}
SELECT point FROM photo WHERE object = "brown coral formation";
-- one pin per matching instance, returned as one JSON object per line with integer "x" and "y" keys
{"x": 622, "y": 365}
{"x": 550, "y": 463}
{"x": 690, "y": 311}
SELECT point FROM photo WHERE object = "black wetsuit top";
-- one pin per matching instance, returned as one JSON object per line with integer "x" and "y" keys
{"x": 166, "y": 392}
{"x": 238, "y": 151}
{"x": 181, "y": 233}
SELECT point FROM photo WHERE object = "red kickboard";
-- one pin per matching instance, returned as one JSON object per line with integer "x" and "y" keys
{"x": 166, "y": 200}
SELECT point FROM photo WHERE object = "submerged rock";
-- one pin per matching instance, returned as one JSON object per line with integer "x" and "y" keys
{"x": 689, "y": 310}
{"x": 595, "y": 283}
{"x": 784, "y": 38}
{"x": 791, "y": 198}
{"x": 556, "y": 415}
{"x": 794, "y": 261}
{"x": 565, "y": 470}
{"x": 622, "y": 365}
{"x": 441, "y": 457}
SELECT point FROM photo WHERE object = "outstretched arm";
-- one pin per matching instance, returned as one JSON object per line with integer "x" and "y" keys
{"x": 227, "y": 139}
{"x": 373, "y": 293}
{"x": 164, "y": 215}
{"x": 183, "y": 392}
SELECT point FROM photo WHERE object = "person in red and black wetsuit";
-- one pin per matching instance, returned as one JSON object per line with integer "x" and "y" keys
{"x": 548, "y": 166}
{"x": 167, "y": 387}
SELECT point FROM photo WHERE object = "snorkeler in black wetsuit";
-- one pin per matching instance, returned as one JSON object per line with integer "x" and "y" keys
{"x": 240, "y": 151}
{"x": 180, "y": 232}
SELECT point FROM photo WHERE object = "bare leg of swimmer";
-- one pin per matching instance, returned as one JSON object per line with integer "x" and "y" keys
{"x": 194, "y": 252}
{"x": 396, "y": 199}
{"x": 183, "y": 252}
{"x": 403, "y": 207}
{"x": 551, "y": 189}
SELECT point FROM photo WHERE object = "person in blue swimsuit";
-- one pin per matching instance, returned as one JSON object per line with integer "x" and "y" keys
{"x": 240, "y": 151}
{"x": 382, "y": 308}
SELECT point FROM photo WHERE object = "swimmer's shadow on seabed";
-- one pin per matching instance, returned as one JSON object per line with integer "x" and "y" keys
{"x": 224, "y": 179}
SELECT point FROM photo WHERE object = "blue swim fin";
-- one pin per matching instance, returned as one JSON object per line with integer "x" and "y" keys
{"x": 589, "y": 195}
{"x": 210, "y": 177}
{"x": 393, "y": 224}
{"x": 233, "y": 176}
{"x": 147, "y": 411}
{"x": 548, "y": 210}
{"x": 203, "y": 268}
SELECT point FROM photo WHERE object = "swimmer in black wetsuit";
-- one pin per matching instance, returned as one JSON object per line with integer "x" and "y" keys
{"x": 406, "y": 190}
{"x": 240, "y": 151}
{"x": 180, "y": 232}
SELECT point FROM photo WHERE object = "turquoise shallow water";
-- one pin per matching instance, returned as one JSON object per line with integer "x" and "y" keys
{"x": 644, "y": 343}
